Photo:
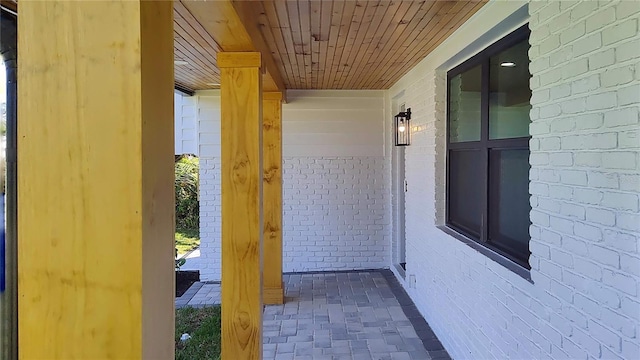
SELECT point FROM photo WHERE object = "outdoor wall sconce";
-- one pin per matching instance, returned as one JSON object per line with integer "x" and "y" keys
{"x": 402, "y": 128}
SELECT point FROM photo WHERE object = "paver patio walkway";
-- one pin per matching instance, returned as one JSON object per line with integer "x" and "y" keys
{"x": 333, "y": 316}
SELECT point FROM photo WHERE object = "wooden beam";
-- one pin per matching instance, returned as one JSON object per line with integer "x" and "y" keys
{"x": 241, "y": 110}
{"x": 235, "y": 27}
{"x": 10, "y": 5}
{"x": 249, "y": 16}
{"x": 96, "y": 223}
{"x": 272, "y": 192}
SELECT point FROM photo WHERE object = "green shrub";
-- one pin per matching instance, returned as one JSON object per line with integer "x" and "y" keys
{"x": 186, "y": 186}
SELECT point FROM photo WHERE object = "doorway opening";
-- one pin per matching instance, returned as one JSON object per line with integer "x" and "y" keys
{"x": 399, "y": 188}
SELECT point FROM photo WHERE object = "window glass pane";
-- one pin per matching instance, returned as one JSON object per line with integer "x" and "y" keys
{"x": 509, "y": 205}
{"x": 465, "y": 190}
{"x": 510, "y": 95}
{"x": 464, "y": 105}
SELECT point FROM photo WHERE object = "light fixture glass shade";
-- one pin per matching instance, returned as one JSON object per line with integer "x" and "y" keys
{"x": 402, "y": 128}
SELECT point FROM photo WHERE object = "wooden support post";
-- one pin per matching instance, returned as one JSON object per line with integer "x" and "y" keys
{"x": 241, "y": 110}
{"x": 272, "y": 147}
{"x": 95, "y": 180}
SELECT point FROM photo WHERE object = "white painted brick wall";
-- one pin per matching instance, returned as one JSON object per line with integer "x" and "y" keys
{"x": 208, "y": 115}
{"x": 600, "y": 109}
{"x": 186, "y": 127}
{"x": 336, "y": 207}
{"x": 210, "y": 219}
{"x": 336, "y": 214}
{"x": 585, "y": 183}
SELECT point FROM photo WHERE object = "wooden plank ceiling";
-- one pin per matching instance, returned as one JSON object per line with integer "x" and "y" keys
{"x": 324, "y": 44}
{"x": 329, "y": 44}
{"x": 371, "y": 44}
{"x": 11, "y": 5}
{"x": 194, "y": 52}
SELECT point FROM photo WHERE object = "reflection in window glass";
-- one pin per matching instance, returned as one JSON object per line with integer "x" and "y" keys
{"x": 464, "y": 106}
{"x": 509, "y": 200}
{"x": 465, "y": 190}
{"x": 509, "y": 93}
{"x": 488, "y": 147}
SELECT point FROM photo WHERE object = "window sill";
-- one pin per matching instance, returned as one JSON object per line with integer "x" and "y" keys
{"x": 500, "y": 259}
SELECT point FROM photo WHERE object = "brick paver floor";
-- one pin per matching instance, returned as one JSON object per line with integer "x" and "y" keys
{"x": 199, "y": 295}
{"x": 360, "y": 315}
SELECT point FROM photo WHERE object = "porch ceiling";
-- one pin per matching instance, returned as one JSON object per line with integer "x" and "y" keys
{"x": 315, "y": 44}
{"x": 324, "y": 44}
{"x": 195, "y": 46}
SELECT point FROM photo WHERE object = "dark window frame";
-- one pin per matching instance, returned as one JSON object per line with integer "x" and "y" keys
{"x": 485, "y": 145}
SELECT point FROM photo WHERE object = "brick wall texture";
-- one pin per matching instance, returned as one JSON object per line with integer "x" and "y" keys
{"x": 583, "y": 301}
{"x": 583, "y": 298}
{"x": 336, "y": 214}
{"x": 585, "y": 61}
{"x": 210, "y": 219}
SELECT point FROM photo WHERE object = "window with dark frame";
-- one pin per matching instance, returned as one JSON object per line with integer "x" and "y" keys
{"x": 488, "y": 121}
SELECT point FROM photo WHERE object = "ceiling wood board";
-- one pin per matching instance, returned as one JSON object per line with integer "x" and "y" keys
{"x": 194, "y": 45}
{"x": 447, "y": 19}
{"x": 9, "y": 4}
{"x": 205, "y": 28}
{"x": 369, "y": 44}
{"x": 312, "y": 44}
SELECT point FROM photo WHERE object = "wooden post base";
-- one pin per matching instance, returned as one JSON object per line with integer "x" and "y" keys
{"x": 273, "y": 296}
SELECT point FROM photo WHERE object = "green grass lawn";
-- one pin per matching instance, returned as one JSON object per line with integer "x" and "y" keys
{"x": 187, "y": 239}
{"x": 204, "y": 327}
